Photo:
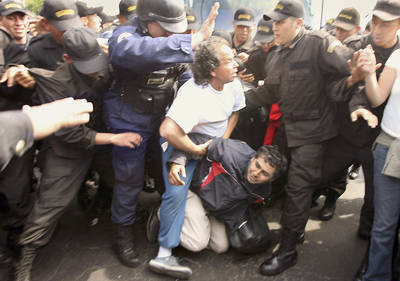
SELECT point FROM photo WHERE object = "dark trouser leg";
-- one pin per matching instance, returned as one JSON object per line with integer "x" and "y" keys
{"x": 128, "y": 166}
{"x": 304, "y": 175}
{"x": 338, "y": 158}
{"x": 367, "y": 210}
{"x": 16, "y": 187}
{"x": 154, "y": 150}
{"x": 62, "y": 178}
{"x": 102, "y": 164}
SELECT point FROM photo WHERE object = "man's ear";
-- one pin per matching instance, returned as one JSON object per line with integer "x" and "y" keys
{"x": 299, "y": 22}
{"x": 67, "y": 58}
{"x": 213, "y": 74}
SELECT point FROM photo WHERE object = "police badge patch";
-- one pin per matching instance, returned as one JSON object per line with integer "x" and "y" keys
{"x": 122, "y": 36}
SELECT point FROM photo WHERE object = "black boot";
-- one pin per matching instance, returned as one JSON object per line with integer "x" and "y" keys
{"x": 124, "y": 246}
{"x": 24, "y": 265}
{"x": 328, "y": 210}
{"x": 285, "y": 257}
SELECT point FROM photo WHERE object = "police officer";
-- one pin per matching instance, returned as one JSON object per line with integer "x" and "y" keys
{"x": 347, "y": 26}
{"x": 15, "y": 179}
{"x": 127, "y": 10}
{"x": 13, "y": 26}
{"x": 67, "y": 153}
{"x": 296, "y": 77}
{"x": 45, "y": 51}
{"x": 89, "y": 15}
{"x": 243, "y": 26}
{"x": 146, "y": 56}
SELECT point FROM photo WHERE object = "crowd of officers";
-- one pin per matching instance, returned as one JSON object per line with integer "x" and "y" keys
{"x": 300, "y": 90}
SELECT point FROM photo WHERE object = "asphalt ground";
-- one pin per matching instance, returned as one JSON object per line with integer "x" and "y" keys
{"x": 81, "y": 251}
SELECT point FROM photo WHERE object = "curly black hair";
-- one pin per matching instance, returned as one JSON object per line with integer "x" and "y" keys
{"x": 206, "y": 59}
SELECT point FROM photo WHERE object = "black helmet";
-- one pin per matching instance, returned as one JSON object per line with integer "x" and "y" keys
{"x": 170, "y": 14}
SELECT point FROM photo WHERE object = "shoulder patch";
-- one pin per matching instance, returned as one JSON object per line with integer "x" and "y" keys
{"x": 123, "y": 35}
{"x": 333, "y": 45}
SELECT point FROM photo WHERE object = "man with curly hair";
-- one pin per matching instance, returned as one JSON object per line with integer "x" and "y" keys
{"x": 206, "y": 104}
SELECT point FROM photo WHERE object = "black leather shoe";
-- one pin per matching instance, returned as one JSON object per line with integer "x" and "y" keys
{"x": 278, "y": 263}
{"x": 124, "y": 246}
{"x": 327, "y": 211}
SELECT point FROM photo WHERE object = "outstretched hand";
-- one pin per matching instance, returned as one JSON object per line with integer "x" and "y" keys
{"x": 206, "y": 28}
{"x": 50, "y": 117}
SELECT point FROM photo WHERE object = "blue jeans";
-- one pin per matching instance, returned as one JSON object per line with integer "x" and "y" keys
{"x": 386, "y": 218}
{"x": 172, "y": 209}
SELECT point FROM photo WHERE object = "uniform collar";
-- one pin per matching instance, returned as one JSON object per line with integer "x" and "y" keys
{"x": 245, "y": 45}
{"x": 354, "y": 37}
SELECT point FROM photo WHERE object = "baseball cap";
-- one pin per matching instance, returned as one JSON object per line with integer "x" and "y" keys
{"x": 84, "y": 10}
{"x": 264, "y": 32}
{"x": 106, "y": 18}
{"x": 244, "y": 17}
{"x": 127, "y": 7}
{"x": 193, "y": 23}
{"x": 11, "y": 7}
{"x": 387, "y": 10}
{"x": 80, "y": 43}
{"x": 63, "y": 14}
{"x": 285, "y": 9}
{"x": 347, "y": 19}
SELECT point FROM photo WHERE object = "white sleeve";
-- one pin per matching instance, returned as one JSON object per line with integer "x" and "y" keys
{"x": 394, "y": 60}
{"x": 183, "y": 111}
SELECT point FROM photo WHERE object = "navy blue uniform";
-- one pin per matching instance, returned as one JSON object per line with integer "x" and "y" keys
{"x": 146, "y": 70}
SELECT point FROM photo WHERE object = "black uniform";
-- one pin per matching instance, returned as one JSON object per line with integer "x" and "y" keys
{"x": 45, "y": 53}
{"x": 67, "y": 154}
{"x": 16, "y": 179}
{"x": 296, "y": 78}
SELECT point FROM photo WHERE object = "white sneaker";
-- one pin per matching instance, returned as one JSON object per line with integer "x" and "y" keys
{"x": 171, "y": 267}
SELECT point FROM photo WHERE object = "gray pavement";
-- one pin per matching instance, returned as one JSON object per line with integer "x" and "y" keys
{"x": 79, "y": 251}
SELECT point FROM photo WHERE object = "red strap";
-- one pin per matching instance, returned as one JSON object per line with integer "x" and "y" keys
{"x": 216, "y": 169}
{"x": 273, "y": 123}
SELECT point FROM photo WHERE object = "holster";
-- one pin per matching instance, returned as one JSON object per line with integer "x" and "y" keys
{"x": 150, "y": 94}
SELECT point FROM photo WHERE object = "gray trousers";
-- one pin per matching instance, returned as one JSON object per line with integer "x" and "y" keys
{"x": 61, "y": 180}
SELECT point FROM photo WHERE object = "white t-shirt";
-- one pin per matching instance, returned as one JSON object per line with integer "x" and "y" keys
{"x": 391, "y": 115}
{"x": 205, "y": 110}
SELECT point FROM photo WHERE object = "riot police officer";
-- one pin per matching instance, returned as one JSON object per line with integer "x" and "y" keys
{"x": 149, "y": 59}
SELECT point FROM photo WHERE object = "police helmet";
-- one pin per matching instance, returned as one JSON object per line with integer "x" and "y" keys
{"x": 169, "y": 14}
